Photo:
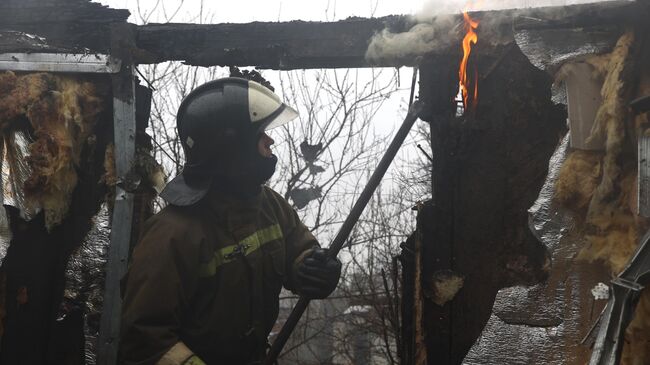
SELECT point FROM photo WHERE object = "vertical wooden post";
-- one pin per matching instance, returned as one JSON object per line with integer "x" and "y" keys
{"x": 437, "y": 235}
{"x": 124, "y": 138}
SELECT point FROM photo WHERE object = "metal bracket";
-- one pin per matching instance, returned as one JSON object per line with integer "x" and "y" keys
{"x": 626, "y": 290}
{"x": 60, "y": 62}
{"x": 628, "y": 284}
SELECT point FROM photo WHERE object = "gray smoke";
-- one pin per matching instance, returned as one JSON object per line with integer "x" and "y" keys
{"x": 423, "y": 38}
{"x": 438, "y": 26}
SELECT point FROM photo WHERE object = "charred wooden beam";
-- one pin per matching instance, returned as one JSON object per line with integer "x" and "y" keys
{"x": 20, "y": 42}
{"x": 298, "y": 44}
{"x": 73, "y": 24}
{"x": 288, "y": 45}
{"x": 63, "y": 24}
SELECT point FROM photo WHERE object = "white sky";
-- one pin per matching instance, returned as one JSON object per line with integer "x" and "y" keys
{"x": 244, "y": 11}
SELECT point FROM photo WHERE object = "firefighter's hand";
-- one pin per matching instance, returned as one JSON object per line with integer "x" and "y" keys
{"x": 317, "y": 275}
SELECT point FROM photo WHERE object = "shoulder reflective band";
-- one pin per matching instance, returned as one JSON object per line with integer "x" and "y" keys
{"x": 179, "y": 354}
{"x": 244, "y": 247}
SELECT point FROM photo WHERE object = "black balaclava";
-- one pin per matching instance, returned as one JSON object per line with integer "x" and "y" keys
{"x": 244, "y": 169}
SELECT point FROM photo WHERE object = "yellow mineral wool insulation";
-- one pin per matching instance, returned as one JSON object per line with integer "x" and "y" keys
{"x": 62, "y": 111}
{"x": 610, "y": 123}
{"x": 578, "y": 179}
{"x": 602, "y": 191}
{"x": 612, "y": 238}
{"x": 602, "y": 188}
{"x": 612, "y": 112}
{"x": 600, "y": 63}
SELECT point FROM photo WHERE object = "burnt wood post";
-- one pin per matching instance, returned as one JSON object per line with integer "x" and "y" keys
{"x": 124, "y": 138}
{"x": 438, "y": 254}
{"x": 488, "y": 167}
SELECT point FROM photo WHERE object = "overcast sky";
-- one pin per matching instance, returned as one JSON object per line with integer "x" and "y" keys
{"x": 243, "y": 11}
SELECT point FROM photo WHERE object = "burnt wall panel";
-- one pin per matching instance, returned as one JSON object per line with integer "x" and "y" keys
{"x": 488, "y": 168}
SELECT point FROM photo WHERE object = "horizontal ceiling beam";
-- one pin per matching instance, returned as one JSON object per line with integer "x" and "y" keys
{"x": 287, "y": 45}
{"x": 79, "y": 25}
{"x": 305, "y": 45}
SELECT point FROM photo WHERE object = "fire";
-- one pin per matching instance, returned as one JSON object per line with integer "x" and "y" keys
{"x": 470, "y": 39}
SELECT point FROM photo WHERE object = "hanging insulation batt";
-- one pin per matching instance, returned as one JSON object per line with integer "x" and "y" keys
{"x": 58, "y": 112}
{"x": 601, "y": 188}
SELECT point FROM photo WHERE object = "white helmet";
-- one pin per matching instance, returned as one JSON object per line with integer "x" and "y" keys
{"x": 219, "y": 123}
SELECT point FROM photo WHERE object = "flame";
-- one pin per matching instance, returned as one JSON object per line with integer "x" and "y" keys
{"x": 470, "y": 39}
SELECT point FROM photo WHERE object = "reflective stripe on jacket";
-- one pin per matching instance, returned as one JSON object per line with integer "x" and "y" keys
{"x": 209, "y": 276}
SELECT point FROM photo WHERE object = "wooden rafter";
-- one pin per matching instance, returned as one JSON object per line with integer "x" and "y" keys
{"x": 70, "y": 24}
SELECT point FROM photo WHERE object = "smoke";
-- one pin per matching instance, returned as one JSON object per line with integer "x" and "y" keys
{"x": 438, "y": 25}
{"x": 421, "y": 39}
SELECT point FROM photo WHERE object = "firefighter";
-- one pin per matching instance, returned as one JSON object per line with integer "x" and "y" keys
{"x": 204, "y": 281}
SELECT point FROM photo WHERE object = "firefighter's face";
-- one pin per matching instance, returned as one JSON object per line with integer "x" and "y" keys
{"x": 264, "y": 145}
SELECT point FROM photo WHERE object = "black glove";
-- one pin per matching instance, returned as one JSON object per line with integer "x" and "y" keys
{"x": 317, "y": 275}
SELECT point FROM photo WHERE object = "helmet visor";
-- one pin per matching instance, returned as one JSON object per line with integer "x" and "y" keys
{"x": 285, "y": 116}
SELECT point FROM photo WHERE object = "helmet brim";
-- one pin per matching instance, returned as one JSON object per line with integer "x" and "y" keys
{"x": 184, "y": 191}
{"x": 286, "y": 115}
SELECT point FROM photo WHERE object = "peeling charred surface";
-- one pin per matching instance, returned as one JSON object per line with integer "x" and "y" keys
{"x": 64, "y": 23}
{"x": 20, "y": 42}
{"x": 287, "y": 45}
{"x": 488, "y": 170}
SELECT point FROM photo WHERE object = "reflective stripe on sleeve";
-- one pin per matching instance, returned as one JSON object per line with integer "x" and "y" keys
{"x": 179, "y": 354}
{"x": 244, "y": 247}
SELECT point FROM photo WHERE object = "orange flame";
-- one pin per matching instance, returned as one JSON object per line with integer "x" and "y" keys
{"x": 470, "y": 39}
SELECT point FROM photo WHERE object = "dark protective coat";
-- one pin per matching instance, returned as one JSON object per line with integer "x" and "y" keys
{"x": 209, "y": 275}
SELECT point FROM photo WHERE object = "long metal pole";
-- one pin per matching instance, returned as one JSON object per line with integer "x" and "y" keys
{"x": 347, "y": 226}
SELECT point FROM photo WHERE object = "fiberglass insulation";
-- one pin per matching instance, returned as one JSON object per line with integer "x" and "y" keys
{"x": 59, "y": 113}
{"x": 601, "y": 188}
